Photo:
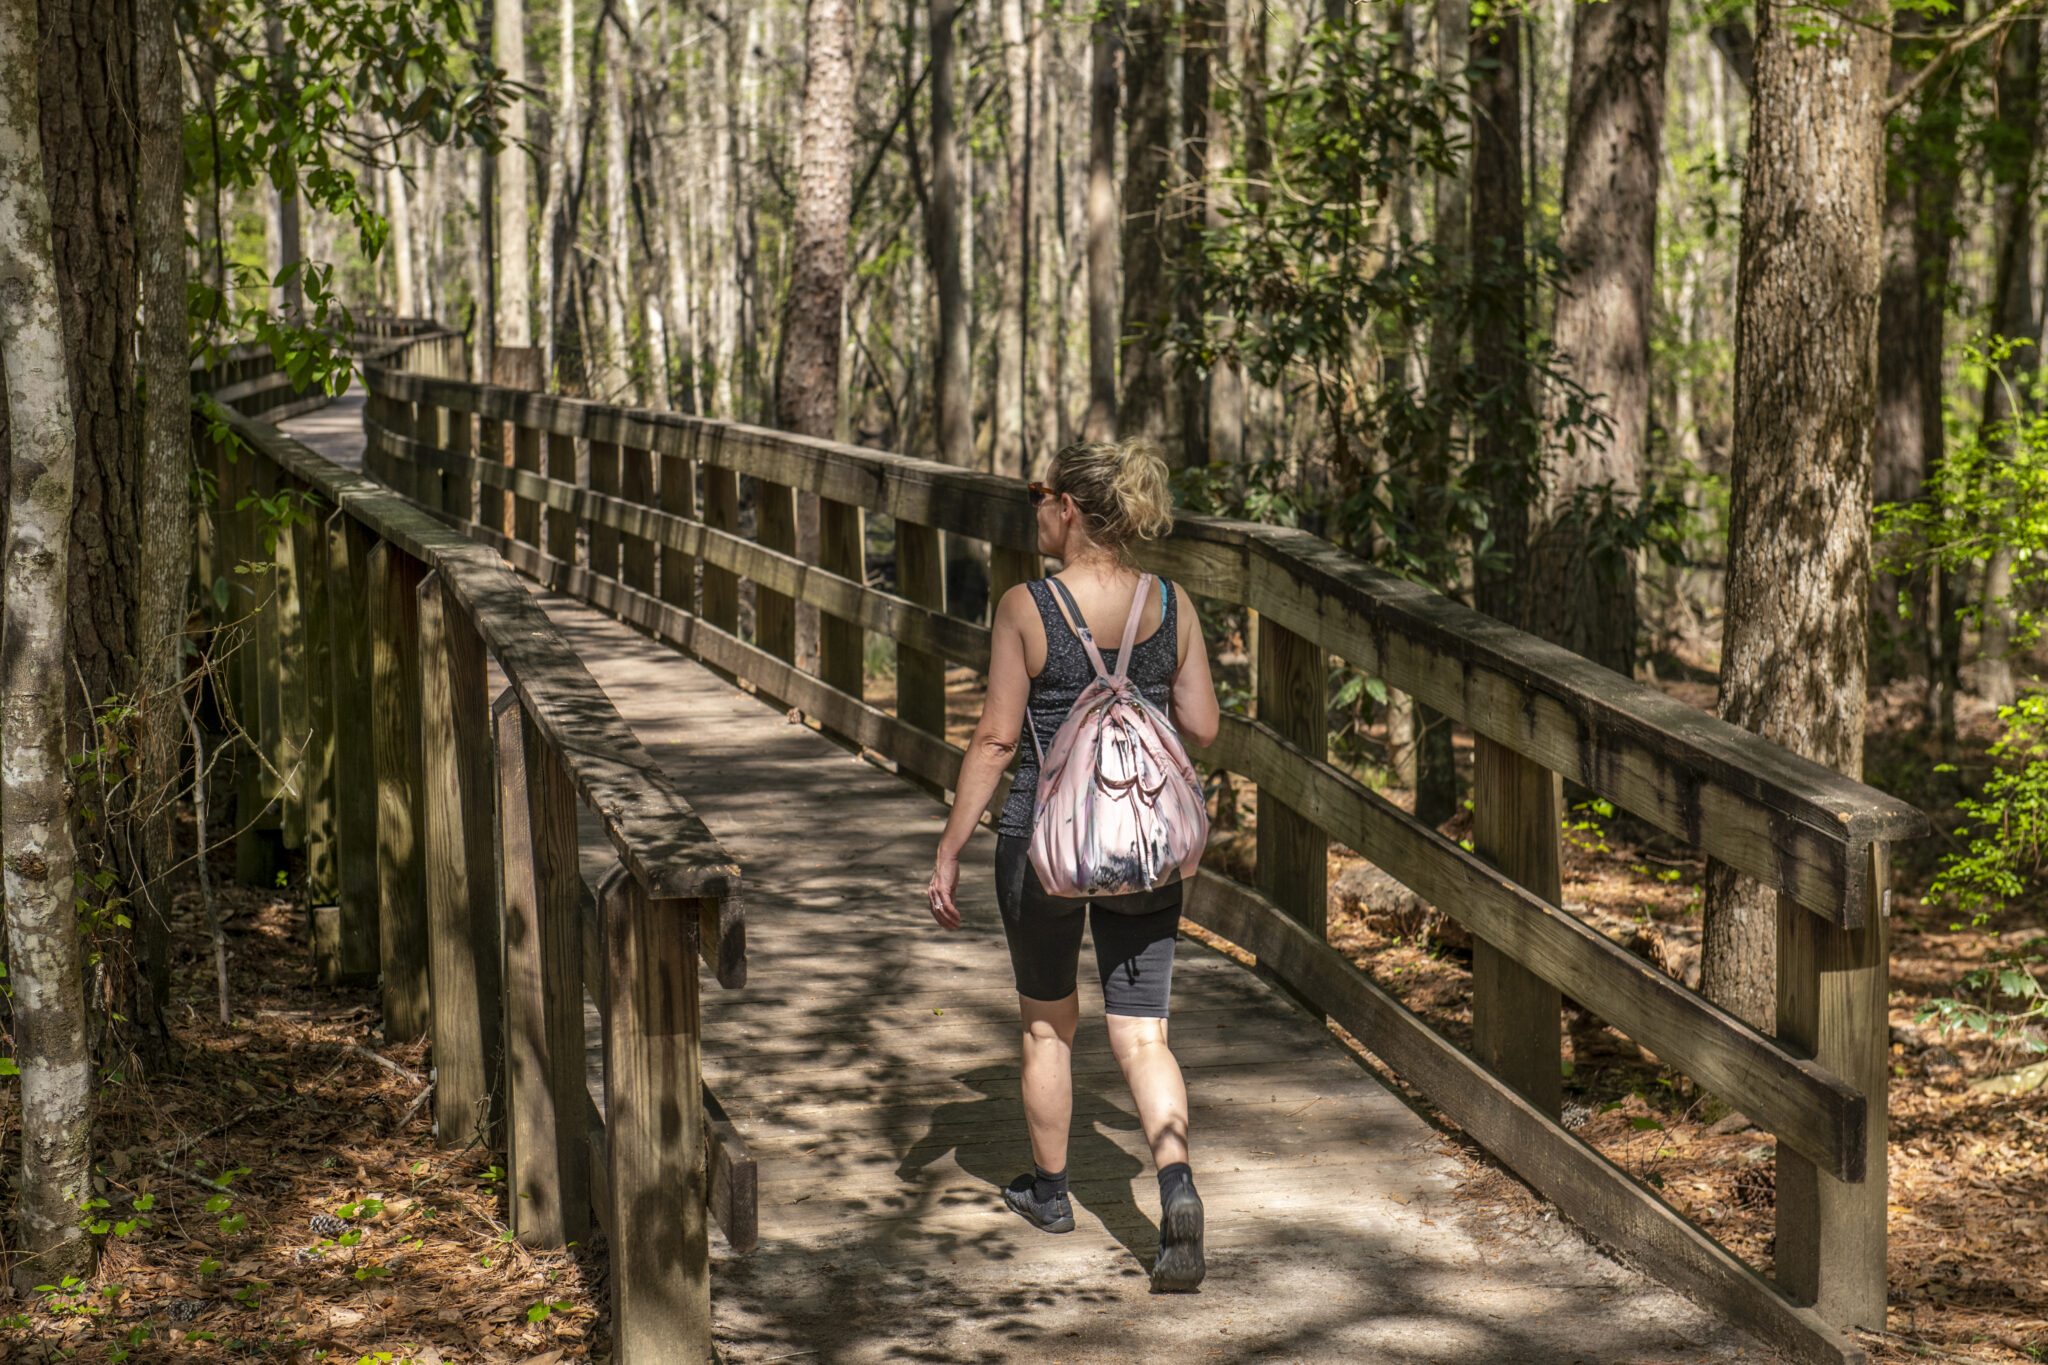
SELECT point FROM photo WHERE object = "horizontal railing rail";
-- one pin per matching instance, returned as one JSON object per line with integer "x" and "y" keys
{"x": 441, "y": 836}
{"x": 641, "y": 513}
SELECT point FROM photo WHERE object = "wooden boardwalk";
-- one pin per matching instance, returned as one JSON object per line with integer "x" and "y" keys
{"x": 871, "y": 1066}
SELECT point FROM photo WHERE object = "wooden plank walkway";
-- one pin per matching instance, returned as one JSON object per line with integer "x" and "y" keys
{"x": 871, "y": 1065}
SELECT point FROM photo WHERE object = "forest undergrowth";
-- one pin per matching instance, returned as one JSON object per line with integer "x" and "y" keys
{"x": 293, "y": 1204}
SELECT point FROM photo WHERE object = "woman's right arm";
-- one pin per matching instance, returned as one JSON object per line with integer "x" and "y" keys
{"x": 1192, "y": 706}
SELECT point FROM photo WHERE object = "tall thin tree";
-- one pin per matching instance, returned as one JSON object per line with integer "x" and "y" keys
{"x": 515, "y": 270}
{"x": 953, "y": 388}
{"x": 1148, "y": 152}
{"x": 1101, "y": 421}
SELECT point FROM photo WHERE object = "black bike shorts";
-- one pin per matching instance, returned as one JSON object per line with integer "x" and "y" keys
{"x": 1133, "y": 937}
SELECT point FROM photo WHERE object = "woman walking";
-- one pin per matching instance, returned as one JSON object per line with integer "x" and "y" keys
{"x": 1098, "y": 500}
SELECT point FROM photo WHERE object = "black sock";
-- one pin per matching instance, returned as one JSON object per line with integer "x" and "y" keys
{"x": 1174, "y": 1177}
{"x": 1047, "y": 1186}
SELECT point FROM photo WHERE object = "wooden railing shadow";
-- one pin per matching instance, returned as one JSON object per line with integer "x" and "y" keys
{"x": 639, "y": 513}
{"x": 440, "y": 833}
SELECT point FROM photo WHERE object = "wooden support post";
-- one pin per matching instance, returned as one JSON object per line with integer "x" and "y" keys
{"x": 775, "y": 613}
{"x": 462, "y": 925}
{"x": 677, "y": 494}
{"x": 1293, "y": 698}
{"x": 525, "y": 511}
{"x": 431, "y": 477}
{"x": 1833, "y": 984}
{"x": 323, "y": 885}
{"x": 636, "y": 484}
{"x": 658, "y": 1224}
{"x": 294, "y": 710}
{"x": 395, "y": 734}
{"x": 722, "y": 513}
{"x": 490, "y": 501}
{"x": 355, "y": 953}
{"x": 1517, "y": 807}
{"x": 543, "y": 936}
{"x": 1007, "y": 568}
{"x": 842, "y": 644}
{"x": 269, "y": 713}
{"x": 921, "y": 677}
{"x": 457, "y": 497}
{"x": 561, "y": 525}
{"x": 604, "y": 478}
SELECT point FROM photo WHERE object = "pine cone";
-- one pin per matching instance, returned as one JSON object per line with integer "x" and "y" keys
{"x": 327, "y": 1225}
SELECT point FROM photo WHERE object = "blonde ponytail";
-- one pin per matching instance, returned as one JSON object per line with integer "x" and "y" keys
{"x": 1120, "y": 490}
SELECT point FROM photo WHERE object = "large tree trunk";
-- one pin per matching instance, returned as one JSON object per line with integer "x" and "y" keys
{"x": 1225, "y": 415}
{"x": 1613, "y": 154}
{"x": 2012, "y": 151}
{"x": 515, "y": 274}
{"x": 808, "y": 398}
{"x": 289, "y": 247}
{"x": 1148, "y": 142}
{"x": 1792, "y": 653}
{"x": 1101, "y": 421}
{"x": 1500, "y": 454}
{"x": 45, "y": 972}
{"x": 1013, "y": 276}
{"x": 166, "y": 555}
{"x": 622, "y": 383}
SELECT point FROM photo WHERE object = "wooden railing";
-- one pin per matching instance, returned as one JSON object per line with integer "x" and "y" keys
{"x": 440, "y": 834}
{"x": 662, "y": 500}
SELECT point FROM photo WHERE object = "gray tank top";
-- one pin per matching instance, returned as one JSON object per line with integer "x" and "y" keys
{"x": 1154, "y": 661}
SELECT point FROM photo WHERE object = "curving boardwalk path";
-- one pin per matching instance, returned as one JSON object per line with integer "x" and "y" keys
{"x": 871, "y": 1065}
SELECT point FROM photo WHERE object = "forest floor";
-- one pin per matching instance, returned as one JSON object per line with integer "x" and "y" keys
{"x": 343, "y": 1234}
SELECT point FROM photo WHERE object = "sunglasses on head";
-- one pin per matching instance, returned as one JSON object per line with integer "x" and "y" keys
{"x": 1039, "y": 493}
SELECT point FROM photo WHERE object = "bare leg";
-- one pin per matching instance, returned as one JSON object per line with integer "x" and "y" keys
{"x": 1049, "y": 1075}
{"x": 1156, "y": 1085}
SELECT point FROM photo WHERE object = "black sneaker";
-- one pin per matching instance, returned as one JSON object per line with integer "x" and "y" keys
{"x": 1052, "y": 1215}
{"x": 1179, "y": 1267}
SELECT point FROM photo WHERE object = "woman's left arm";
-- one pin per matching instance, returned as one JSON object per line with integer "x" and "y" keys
{"x": 1193, "y": 703}
{"x": 988, "y": 753}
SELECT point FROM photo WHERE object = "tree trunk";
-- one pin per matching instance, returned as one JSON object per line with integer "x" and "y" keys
{"x": 1907, "y": 436}
{"x": 1436, "y": 776}
{"x": 1101, "y": 421}
{"x": 1792, "y": 655}
{"x": 515, "y": 273}
{"x": 1225, "y": 415}
{"x": 397, "y": 202}
{"x": 1202, "y": 43}
{"x": 36, "y": 850}
{"x": 807, "y": 400}
{"x": 1012, "y": 276}
{"x": 290, "y": 250}
{"x": 1502, "y": 465}
{"x": 1148, "y": 141}
{"x": 2013, "y": 148}
{"x": 622, "y": 375}
{"x": 953, "y": 387}
{"x": 1613, "y": 152}
{"x": 166, "y": 552}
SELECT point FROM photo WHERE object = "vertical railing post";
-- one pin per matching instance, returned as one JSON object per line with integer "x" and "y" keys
{"x": 294, "y": 709}
{"x": 1833, "y": 985}
{"x": 658, "y": 1224}
{"x": 1007, "y": 568}
{"x": 525, "y": 511}
{"x": 462, "y": 924}
{"x": 721, "y": 513}
{"x": 395, "y": 674}
{"x": 561, "y": 524}
{"x": 604, "y": 478}
{"x": 636, "y": 485}
{"x": 678, "y": 494}
{"x": 456, "y": 478}
{"x": 257, "y": 855}
{"x": 1517, "y": 809}
{"x": 431, "y": 477}
{"x": 842, "y": 644}
{"x": 775, "y": 528}
{"x": 323, "y": 885}
{"x": 490, "y": 449}
{"x": 351, "y": 945}
{"x": 548, "y": 1145}
{"x": 921, "y": 677}
{"x": 1293, "y": 698}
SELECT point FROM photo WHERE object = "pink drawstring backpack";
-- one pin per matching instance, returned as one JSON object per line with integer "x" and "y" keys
{"x": 1119, "y": 807}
